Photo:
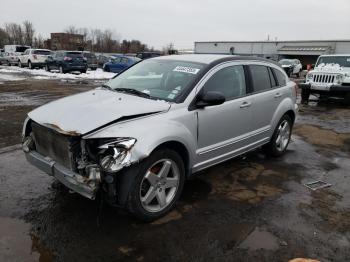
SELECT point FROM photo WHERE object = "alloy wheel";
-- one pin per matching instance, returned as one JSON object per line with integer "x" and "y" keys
{"x": 283, "y": 135}
{"x": 159, "y": 185}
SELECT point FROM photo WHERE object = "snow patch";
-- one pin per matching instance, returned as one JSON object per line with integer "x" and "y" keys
{"x": 329, "y": 67}
{"x": 6, "y": 74}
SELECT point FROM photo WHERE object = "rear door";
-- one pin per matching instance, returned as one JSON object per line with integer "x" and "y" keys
{"x": 223, "y": 130}
{"x": 267, "y": 95}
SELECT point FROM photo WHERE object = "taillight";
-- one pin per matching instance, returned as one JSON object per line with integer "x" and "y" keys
{"x": 67, "y": 58}
{"x": 34, "y": 56}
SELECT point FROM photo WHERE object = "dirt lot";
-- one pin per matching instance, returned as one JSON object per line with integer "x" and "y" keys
{"x": 248, "y": 209}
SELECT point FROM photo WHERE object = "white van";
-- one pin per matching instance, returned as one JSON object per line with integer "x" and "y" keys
{"x": 12, "y": 52}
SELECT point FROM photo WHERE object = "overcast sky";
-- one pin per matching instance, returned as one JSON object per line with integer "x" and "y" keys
{"x": 158, "y": 22}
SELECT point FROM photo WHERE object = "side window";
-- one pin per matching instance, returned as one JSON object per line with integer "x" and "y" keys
{"x": 260, "y": 78}
{"x": 272, "y": 78}
{"x": 281, "y": 78}
{"x": 124, "y": 60}
{"x": 229, "y": 81}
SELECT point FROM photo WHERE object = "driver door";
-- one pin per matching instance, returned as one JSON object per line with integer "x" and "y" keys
{"x": 223, "y": 130}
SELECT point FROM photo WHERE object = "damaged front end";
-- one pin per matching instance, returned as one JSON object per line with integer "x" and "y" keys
{"x": 82, "y": 165}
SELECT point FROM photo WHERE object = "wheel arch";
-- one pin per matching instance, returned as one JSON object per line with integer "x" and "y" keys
{"x": 179, "y": 148}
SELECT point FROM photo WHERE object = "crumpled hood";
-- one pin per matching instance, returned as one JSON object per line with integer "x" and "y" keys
{"x": 84, "y": 112}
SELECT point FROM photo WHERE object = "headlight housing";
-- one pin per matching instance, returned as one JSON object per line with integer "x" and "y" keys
{"x": 309, "y": 77}
{"x": 339, "y": 79}
{"x": 116, "y": 154}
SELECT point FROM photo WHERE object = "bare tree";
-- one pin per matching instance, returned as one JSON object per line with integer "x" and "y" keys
{"x": 71, "y": 30}
{"x": 168, "y": 48}
{"x": 3, "y": 37}
{"x": 15, "y": 33}
{"x": 28, "y": 33}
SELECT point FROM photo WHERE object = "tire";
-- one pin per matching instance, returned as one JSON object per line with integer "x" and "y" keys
{"x": 83, "y": 71}
{"x": 20, "y": 64}
{"x": 47, "y": 68}
{"x": 280, "y": 138}
{"x": 62, "y": 71}
{"x": 30, "y": 66}
{"x": 160, "y": 199}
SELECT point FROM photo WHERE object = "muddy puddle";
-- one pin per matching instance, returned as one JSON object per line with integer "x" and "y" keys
{"x": 17, "y": 243}
{"x": 246, "y": 181}
{"x": 323, "y": 137}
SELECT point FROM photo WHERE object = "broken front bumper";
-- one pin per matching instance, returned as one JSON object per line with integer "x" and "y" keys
{"x": 70, "y": 179}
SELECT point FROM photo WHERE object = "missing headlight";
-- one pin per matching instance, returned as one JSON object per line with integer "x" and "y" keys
{"x": 116, "y": 154}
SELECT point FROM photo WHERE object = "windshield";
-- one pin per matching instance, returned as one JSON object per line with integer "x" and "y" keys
{"x": 161, "y": 79}
{"x": 286, "y": 62}
{"x": 343, "y": 61}
{"x": 42, "y": 52}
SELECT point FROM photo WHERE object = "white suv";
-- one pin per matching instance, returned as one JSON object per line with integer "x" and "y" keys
{"x": 329, "y": 78}
{"x": 34, "y": 58}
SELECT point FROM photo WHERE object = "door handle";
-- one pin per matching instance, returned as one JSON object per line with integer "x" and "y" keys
{"x": 277, "y": 95}
{"x": 245, "y": 104}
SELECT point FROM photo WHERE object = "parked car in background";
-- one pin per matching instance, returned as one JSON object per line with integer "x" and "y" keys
{"x": 142, "y": 134}
{"x": 66, "y": 61}
{"x": 102, "y": 59}
{"x": 12, "y": 52}
{"x": 2, "y": 57}
{"x": 120, "y": 63}
{"x": 91, "y": 60}
{"x": 291, "y": 66}
{"x": 33, "y": 58}
{"x": 146, "y": 55}
{"x": 330, "y": 77}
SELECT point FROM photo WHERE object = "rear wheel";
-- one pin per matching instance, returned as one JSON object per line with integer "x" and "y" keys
{"x": 30, "y": 66}
{"x": 47, "y": 68}
{"x": 20, "y": 64}
{"x": 157, "y": 186}
{"x": 83, "y": 71}
{"x": 280, "y": 138}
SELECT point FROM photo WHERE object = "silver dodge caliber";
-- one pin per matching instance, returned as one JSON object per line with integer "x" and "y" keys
{"x": 136, "y": 139}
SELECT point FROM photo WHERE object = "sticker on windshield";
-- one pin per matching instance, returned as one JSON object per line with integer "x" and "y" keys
{"x": 171, "y": 96}
{"x": 185, "y": 69}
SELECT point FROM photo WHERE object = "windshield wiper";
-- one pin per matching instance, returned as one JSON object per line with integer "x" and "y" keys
{"x": 107, "y": 87}
{"x": 132, "y": 91}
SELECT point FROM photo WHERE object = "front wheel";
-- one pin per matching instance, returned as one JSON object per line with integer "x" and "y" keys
{"x": 157, "y": 185}
{"x": 280, "y": 138}
{"x": 47, "y": 68}
{"x": 30, "y": 66}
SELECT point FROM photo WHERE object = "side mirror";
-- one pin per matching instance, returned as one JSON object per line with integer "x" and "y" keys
{"x": 49, "y": 57}
{"x": 210, "y": 98}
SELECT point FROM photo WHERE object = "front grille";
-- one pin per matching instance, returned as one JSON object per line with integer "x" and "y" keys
{"x": 323, "y": 78}
{"x": 61, "y": 148}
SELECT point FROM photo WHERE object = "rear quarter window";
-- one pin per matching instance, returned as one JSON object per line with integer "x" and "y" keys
{"x": 260, "y": 78}
{"x": 281, "y": 78}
